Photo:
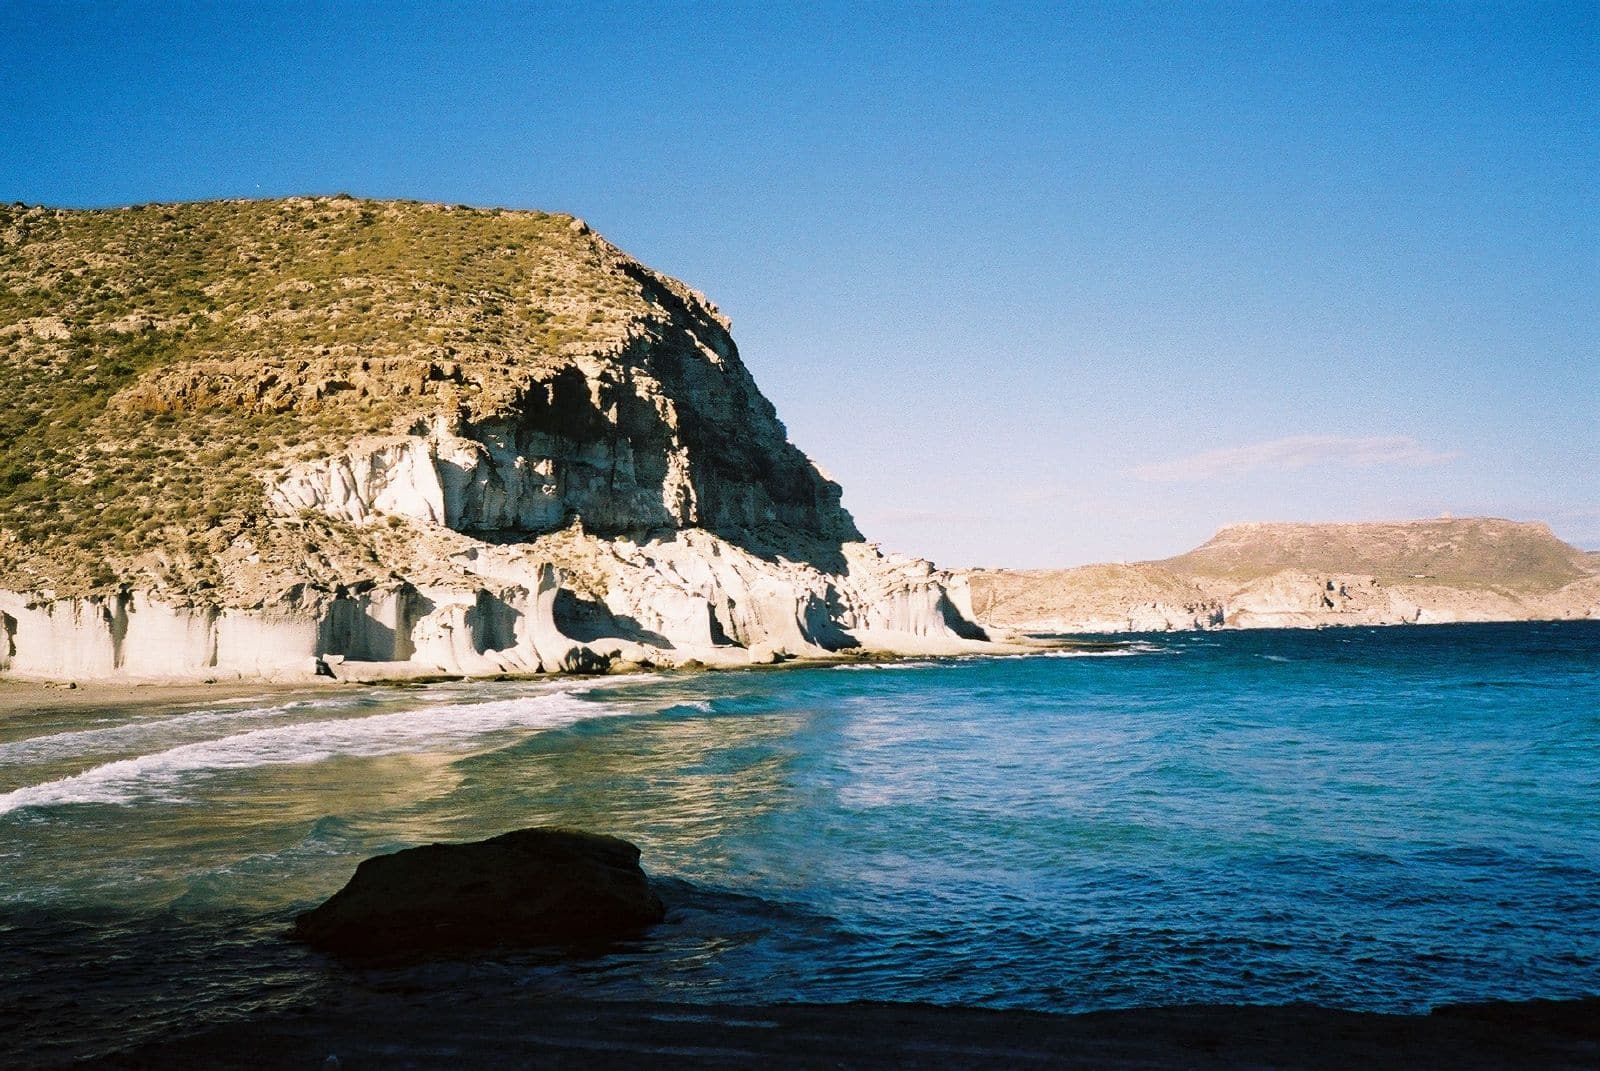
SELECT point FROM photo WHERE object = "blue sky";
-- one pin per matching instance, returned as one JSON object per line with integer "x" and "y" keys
{"x": 1039, "y": 287}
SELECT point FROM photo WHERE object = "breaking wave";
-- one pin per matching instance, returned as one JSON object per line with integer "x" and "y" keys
{"x": 158, "y": 774}
{"x": 921, "y": 663}
{"x": 57, "y": 746}
{"x": 1111, "y": 652}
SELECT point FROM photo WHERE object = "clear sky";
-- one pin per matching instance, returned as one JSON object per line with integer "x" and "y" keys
{"x": 1038, "y": 286}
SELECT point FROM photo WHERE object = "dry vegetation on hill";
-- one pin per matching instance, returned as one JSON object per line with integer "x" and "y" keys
{"x": 157, "y": 359}
{"x": 1461, "y": 551}
{"x": 1470, "y": 568}
{"x": 1025, "y": 595}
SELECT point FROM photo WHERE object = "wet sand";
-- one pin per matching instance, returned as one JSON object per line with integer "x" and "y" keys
{"x": 433, "y": 1030}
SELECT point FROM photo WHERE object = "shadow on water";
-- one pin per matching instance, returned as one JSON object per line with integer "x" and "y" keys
{"x": 76, "y": 985}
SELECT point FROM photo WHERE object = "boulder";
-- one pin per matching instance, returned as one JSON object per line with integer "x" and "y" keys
{"x": 529, "y": 887}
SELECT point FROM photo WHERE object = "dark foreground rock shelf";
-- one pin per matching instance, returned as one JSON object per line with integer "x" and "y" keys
{"x": 529, "y": 887}
{"x": 442, "y": 1030}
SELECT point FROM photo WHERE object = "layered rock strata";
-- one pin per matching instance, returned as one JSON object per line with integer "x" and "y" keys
{"x": 470, "y": 491}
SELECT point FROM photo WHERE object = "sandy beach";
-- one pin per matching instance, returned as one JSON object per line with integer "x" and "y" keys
{"x": 18, "y": 697}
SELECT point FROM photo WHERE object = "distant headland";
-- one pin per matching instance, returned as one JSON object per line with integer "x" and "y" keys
{"x": 1310, "y": 575}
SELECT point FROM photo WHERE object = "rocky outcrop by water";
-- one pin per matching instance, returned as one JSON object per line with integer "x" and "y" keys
{"x": 365, "y": 460}
{"x": 532, "y": 886}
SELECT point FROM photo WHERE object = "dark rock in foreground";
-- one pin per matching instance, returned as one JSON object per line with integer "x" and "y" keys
{"x": 529, "y": 887}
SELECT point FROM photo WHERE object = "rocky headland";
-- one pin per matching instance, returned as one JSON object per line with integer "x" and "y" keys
{"x": 369, "y": 440}
{"x": 1309, "y": 576}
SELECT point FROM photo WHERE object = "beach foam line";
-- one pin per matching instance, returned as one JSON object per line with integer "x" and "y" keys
{"x": 54, "y": 747}
{"x": 1122, "y": 651}
{"x": 1114, "y": 652}
{"x": 915, "y": 664}
{"x": 1126, "y": 650}
{"x": 159, "y": 774}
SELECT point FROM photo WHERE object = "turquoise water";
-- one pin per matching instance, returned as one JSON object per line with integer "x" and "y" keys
{"x": 1376, "y": 819}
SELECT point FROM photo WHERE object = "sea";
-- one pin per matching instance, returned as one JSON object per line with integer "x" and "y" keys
{"x": 1381, "y": 819}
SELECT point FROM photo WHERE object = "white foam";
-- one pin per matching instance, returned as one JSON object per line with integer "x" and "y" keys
{"x": 55, "y": 747}
{"x": 160, "y": 773}
{"x": 1115, "y": 652}
{"x": 1121, "y": 650}
{"x": 913, "y": 664}
{"x": 1109, "y": 652}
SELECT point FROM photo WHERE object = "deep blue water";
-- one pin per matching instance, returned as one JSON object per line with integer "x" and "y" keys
{"x": 1381, "y": 819}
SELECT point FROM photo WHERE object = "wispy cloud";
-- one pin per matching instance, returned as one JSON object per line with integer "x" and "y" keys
{"x": 1294, "y": 453}
{"x": 914, "y": 516}
{"x": 1029, "y": 496}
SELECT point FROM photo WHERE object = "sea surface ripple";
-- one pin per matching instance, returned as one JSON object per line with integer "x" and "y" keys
{"x": 1383, "y": 819}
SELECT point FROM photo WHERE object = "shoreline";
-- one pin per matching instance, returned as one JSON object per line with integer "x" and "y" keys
{"x": 407, "y": 1028}
{"x": 28, "y": 694}
{"x": 1039, "y": 628}
{"x": 25, "y": 696}
{"x": 18, "y": 695}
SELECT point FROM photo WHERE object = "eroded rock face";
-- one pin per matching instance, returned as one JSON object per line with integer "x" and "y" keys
{"x": 498, "y": 481}
{"x": 552, "y": 462}
{"x": 530, "y": 887}
{"x": 682, "y": 597}
{"x": 614, "y": 446}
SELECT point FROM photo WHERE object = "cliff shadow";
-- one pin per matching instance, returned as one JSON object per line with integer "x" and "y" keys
{"x": 494, "y": 623}
{"x": 585, "y": 620}
{"x": 614, "y": 453}
{"x": 967, "y": 630}
{"x": 353, "y": 627}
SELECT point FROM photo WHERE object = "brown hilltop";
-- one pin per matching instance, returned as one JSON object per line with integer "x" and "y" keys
{"x": 1299, "y": 574}
{"x": 1484, "y": 551}
{"x": 271, "y": 438}
{"x": 161, "y": 361}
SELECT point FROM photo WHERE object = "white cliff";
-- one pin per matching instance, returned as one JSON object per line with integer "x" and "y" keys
{"x": 561, "y": 466}
{"x": 690, "y": 597}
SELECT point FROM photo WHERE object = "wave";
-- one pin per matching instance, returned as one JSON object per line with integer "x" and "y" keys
{"x": 1115, "y": 652}
{"x": 159, "y": 774}
{"x": 920, "y": 663}
{"x": 1119, "y": 650}
{"x": 55, "y": 747}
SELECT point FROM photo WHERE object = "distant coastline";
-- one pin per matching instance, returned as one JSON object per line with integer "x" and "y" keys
{"x": 1422, "y": 572}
